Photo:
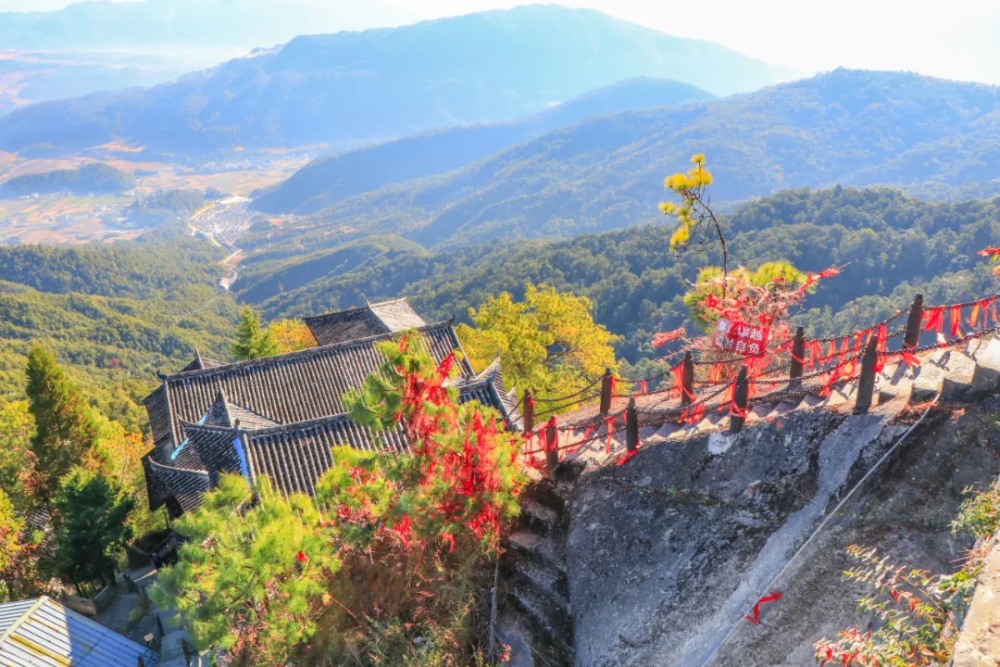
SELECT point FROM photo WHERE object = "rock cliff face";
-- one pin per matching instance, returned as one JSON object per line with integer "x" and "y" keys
{"x": 665, "y": 555}
{"x": 657, "y": 561}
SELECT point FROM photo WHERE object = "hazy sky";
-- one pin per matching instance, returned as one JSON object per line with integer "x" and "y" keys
{"x": 954, "y": 40}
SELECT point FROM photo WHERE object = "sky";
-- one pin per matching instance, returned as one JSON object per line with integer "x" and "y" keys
{"x": 809, "y": 35}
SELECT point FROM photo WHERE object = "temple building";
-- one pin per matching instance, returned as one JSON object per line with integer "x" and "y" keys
{"x": 279, "y": 416}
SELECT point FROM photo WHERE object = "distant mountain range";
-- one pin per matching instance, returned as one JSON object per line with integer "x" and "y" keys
{"x": 331, "y": 179}
{"x": 352, "y": 88}
{"x": 847, "y": 127}
{"x": 155, "y": 24}
{"x": 892, "y": 246}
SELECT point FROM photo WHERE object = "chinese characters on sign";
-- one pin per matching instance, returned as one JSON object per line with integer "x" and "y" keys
{"x": 744, "y": 339}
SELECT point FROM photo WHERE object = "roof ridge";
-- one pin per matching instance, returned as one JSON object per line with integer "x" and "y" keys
{"x": 368, "y": 306}
{"x": 281, "y": 428}
{"x": 304, "y": 354}
{"x": 177, "y": 469}
{"x": 27, "y": 613}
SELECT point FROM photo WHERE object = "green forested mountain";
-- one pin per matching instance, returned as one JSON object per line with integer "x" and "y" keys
{"x": 849, "y": 127}
{"x": 97, "y": 178}
{"x": 331, "y": 179}
{"x": 115, "y": 314}
{"x": 891, "y": 245}
{"x": 484, "y": 67}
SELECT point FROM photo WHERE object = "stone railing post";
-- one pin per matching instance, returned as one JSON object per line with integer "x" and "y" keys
{"x": 798, "y": 353}
{"x": 687, "y": 374}
{"x": 606, "y": 392}
{"x": 866, "y": 382}
{"x": 551, "y": 445}
{"x": 631, "y": 426}
{"x": 913, "y": 322}
{"x": 739, "y": 407}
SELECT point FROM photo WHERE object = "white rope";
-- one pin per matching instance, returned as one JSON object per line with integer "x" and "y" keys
{"x": 827, "y": 520}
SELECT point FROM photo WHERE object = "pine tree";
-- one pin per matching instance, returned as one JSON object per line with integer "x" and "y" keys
{"x": 92, "y": 527}
{"x": 548, "y": 343}
{"x": 253, "y": 572}
{"x": 65, "y": 430}
{"x": 253, "y": 340}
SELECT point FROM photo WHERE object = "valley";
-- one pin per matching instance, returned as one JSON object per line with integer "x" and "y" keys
{"x": 61, "y": 218}
{"x": 247, "y": 248}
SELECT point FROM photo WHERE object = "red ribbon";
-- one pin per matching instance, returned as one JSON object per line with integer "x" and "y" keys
{"x": 667, "y": 336}
{"x": 627, "y": 456}
{"x": 974, "y": 316}
{"x": 815, "y": 354}
{"x": 956, "y": 320}
{"x": 643, "y": 389}
{"x": 755, "y": 619}
{"x": 910, "y": 359}
{"x": 585, "y": 438}
{"x": 609, "y": 424}
{"x": 715, "y": 372}
{"x": 679, "y": 387}
{"x": 613, "y": 385}
{"x": 881, "y": 355}
{"x": 934, "y": 319}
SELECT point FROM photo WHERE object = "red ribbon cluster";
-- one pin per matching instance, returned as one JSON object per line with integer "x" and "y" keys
{"x": 667, "y": 336}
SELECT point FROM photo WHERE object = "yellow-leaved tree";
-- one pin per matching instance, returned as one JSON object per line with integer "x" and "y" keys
{"x": 291, "y": 335}
{"x": 548, "y": 343}
{"x": 696, "y": 222}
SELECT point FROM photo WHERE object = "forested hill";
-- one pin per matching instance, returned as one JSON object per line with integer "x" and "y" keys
{"x": 891, "y": 245}
{"x": 96, "y": 178}
{"x": 331, "y": 179}
{"x": 114, "y": 314}
{"x": 848, "y": 127}
{"x": 484, "y": 67}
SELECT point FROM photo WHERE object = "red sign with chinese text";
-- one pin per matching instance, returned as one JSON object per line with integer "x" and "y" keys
{"x": 745, "y": 339}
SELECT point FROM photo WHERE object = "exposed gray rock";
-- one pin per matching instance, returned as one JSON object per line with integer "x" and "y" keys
{"x": 650, "y": 561}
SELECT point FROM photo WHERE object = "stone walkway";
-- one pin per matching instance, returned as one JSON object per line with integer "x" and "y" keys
{"x": 116, "y": 617}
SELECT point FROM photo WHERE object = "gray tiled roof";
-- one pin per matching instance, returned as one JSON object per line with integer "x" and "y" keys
{"x": 371, "y": 320}
{"x": 186, "y": 486}
{"x": 290, "y": 412}
{"x": 295, "y": 456}
{"x": 283, "y": 389}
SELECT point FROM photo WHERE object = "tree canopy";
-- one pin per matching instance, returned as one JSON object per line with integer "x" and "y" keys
{"x": 253, "y": 339}
{"x": 549, "y": 342}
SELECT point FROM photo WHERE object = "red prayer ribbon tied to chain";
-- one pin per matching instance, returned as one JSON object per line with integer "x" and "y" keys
{"x": 811, "y": 278}
{"x": 679, "y": 387}
{"x": 613, "y": 385}
{"x": 715, "y": 372}
{"x": 609, "y": 423}
{"x": 755, "y": 618}
{"x": 667, "y": 336}
{"x": 692, "y": 414}
{"x": 585, "y": 438}
{"x": 934, "y": 319}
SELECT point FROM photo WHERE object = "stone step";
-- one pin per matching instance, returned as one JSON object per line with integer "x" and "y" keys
{"x": 539, "y": 517}
{"x": 546, "y": 579}
{"x": 947, "y": 370}
{"x": 986, "y": 378}
{"x": 551, "y": 623}
{"x": 540, "y": 548}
